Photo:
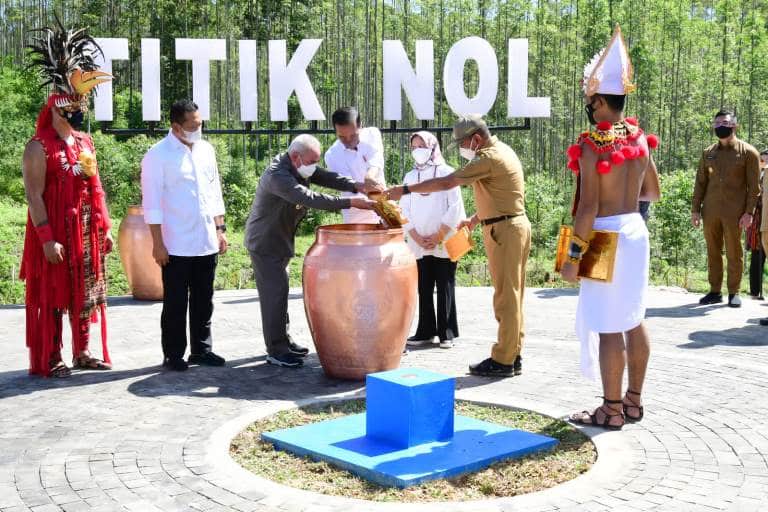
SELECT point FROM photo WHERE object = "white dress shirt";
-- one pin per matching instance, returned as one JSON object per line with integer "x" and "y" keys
{"x": 354, "y": 163}
{"x": 181, "y": 191}
{"x": 425, "y": 213}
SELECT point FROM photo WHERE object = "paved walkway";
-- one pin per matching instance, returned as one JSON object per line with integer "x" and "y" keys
{"x": 143, "y": 440}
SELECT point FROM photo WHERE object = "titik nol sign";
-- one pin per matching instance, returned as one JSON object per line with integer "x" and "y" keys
{"x": 288, "y": 76}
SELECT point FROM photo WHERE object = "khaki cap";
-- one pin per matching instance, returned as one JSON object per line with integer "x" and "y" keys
{"x": 466, "y": 126}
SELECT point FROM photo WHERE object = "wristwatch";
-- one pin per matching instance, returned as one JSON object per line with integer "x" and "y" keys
{"x": 406, "y": 190}
{"x": 222, "y": 228}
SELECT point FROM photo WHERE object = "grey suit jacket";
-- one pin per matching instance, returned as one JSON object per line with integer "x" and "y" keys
{"x": 282, "y": 199}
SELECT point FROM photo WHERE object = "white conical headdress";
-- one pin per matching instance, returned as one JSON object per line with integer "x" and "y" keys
{"x": 610, "y": 71}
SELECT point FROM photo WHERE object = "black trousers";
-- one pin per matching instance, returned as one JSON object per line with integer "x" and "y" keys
{"x": 272, "y": 284}
{"x": 187, "y": 280}
{"x": 756, "y": 264}
{"x": 440, "y": 273}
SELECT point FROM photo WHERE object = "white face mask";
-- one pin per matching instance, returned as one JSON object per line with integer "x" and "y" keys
{"x": 421, "y": 155}
{"x": 195, "y": 136}
{"x": 306, "y": 170}
{"x": 467, "y": 153}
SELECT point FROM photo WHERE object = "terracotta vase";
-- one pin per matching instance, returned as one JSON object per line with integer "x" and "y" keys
{"x": 135, "y": 245}
{"x": 360, "y": 297}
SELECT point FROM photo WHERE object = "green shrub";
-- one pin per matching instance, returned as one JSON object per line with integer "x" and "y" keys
{"x": 21, "y": 102}
{"x": 677, "y": 248}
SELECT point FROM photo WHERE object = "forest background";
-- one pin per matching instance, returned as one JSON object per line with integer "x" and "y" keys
{"x": 690, "y": 59}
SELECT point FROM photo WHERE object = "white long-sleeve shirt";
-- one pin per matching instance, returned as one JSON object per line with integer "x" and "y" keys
{"x": 181, "y": 190}
{"x": 426, "y": 213}
{"x": 354, "y": 164}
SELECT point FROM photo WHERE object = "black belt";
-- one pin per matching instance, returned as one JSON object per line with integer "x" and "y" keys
{"x": 494, "y": 220}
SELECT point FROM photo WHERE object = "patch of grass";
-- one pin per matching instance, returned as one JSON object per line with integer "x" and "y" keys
{"x": 13, "y": 220}
{"x": 573, "y": 456}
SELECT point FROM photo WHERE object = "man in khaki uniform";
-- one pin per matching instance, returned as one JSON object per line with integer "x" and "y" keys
{"x": 764, "y": 219}
{"x": 725, "y": 195}
{"x": 496, "y": 176}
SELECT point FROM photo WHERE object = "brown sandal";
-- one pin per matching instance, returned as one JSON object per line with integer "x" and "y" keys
{"x": 632, "y": 405}
{"x": 580, "y": 418}
{"x": 60, "y": 371}
{"x": 87, "y": 362}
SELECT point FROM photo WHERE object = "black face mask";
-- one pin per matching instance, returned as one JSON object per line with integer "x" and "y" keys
{"x": 723, "y": 132}
{"x": 75, "y": 119}
{"x": 590, "y": 110}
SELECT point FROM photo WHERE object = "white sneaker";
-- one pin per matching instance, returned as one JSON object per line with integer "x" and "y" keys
{"x": 447, "y": 344}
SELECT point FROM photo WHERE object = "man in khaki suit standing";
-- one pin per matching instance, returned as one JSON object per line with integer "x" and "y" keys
{"x": 497, "y": 179}
{"x": 764, "y": 220}
{"x": 725, "y": 195}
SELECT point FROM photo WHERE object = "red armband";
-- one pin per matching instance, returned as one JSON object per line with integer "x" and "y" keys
{"x": 44, "y": 233}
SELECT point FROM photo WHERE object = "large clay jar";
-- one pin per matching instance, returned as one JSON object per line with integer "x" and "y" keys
{"x": 360, "y": 297}
{"x": 135, "y": 246}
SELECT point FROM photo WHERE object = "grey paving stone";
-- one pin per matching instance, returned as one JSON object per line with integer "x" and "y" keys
{"x": 142, "y": 438}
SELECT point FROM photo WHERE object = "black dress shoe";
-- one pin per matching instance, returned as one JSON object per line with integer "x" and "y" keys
{"x": 206, "y": 359}
{"x": 175, "y": 365}
{"x": 711, "y": 298}
{"x": 490, "y": 368}
{"x": 296, "y": 349}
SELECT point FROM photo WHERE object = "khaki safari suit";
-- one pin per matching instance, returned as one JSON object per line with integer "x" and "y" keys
{"x": 764, "y": 219}
{"x": 496, "y": 176}
{"x": 726, "y": 188}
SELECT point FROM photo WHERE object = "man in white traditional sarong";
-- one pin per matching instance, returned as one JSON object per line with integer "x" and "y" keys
{"x": 615, "y": 171}
{"x": 358, "y": 154}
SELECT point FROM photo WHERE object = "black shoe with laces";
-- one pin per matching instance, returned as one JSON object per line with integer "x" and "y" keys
{"x": 711, "y": 298}
{"x": 206, "y": 359}
{"x": 490, "y": 368}
{"x": 175, "y": 365}
{"x": 421, "y": 341}
{"x": 285, "y": 360}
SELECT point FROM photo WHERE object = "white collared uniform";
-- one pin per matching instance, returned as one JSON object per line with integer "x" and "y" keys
{"x": 181, "y": 190}
{"x": 355, "y": 164}
{"x": 425, "y": 213}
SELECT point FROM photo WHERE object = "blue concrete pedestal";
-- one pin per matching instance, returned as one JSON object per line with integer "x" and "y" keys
{"x": 409, "y": 434}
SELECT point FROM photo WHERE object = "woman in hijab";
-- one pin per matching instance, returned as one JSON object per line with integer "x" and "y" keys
{"x": 432, "y": 218}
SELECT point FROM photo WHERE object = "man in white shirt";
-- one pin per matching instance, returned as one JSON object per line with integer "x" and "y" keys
{"x": 184, "y": 209}
{"x": 358, "y": 154}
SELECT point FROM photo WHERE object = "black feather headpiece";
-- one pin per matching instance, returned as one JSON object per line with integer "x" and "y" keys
{"x": 66, "y": 59}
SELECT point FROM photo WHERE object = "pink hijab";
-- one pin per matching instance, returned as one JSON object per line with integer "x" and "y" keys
{"x": 431, "y": 142}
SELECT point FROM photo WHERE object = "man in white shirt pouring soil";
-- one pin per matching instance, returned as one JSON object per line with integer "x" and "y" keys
{"x": 358, "y": 154}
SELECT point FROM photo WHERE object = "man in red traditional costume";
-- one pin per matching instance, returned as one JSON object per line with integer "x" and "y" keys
{"x": 615, "y": 171}
{"x": 68, "y": 225}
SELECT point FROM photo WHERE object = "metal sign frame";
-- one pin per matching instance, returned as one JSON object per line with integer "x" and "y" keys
{"x": 154, "y": 130}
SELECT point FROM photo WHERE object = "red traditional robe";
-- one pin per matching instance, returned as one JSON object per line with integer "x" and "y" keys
{"x": 78, "y": 217}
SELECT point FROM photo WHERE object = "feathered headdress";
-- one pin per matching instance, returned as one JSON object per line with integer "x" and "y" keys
{"x": 65, "y": 59}
{"x": 610, "y": 71}
{"x": 66, "y": 62}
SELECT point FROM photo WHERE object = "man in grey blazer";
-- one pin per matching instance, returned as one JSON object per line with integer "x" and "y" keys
{"x": 282, "y": 199}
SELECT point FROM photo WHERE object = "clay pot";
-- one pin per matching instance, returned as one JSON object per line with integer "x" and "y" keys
{"x": 360, "y": 297}
{"x": 135, "y": 246}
